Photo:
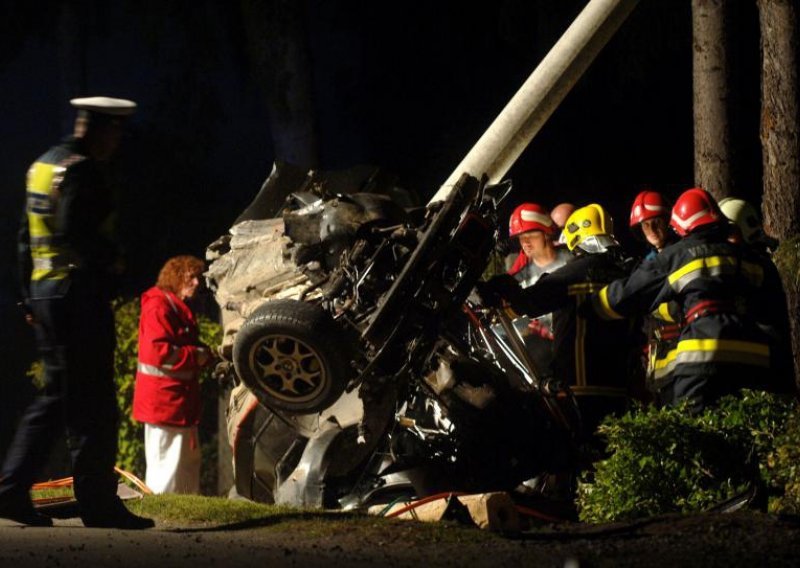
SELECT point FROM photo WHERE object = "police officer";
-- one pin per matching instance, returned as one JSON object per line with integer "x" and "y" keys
{"x": 592, "y": 355}
{"x": 721, "y": 289}
{"x": 68, "y": 262}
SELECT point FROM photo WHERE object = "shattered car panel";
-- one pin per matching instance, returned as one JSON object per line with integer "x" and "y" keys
{"x": 365, "y": 371}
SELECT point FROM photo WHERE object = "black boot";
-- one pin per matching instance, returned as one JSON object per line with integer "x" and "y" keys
{"x": 114, "y": 516}
{"x": 19, "y": 508}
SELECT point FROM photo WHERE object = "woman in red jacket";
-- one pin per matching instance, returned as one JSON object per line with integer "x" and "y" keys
{"x": 167, "y": 393}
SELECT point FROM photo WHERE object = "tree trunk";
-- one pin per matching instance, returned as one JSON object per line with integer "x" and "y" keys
{"x": 779, "y": 142}
{"x": 712, "y": 147}
{"x": 276, "y": 38}
{"x": 779, "y": 117}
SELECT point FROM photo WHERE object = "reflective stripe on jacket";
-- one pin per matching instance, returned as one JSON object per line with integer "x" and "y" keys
{"x": 701, "y": 268}
{"x": 52, "y": 258}
{"x": 591, "y": 355}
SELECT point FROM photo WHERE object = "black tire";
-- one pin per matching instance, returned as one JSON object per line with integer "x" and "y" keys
{"x": 291, "y": 355}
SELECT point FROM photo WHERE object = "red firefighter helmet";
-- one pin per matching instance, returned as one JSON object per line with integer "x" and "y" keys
{"x": 694, "y": 208}
{"x": 648, "y": 204}
{"x": 530, "y": 217}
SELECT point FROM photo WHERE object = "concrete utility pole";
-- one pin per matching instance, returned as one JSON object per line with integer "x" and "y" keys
{"x": 528, "y": 110}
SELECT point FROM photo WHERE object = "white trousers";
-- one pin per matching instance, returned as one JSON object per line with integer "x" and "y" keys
{"x": 173, "y": 459}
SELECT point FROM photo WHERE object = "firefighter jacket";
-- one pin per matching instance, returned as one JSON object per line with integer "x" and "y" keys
{"x": 537, "y": 333}
{"x": 722, "y": 291}
{"x": 64, "y": 231}
{"x": 590, "y": 354}
{"x": 167, "y": 391}
{"x": 527, "y": 273}
{"x": 661, "y": 328}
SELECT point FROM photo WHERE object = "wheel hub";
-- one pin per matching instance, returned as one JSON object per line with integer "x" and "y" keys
{"x": 288, "y": 369}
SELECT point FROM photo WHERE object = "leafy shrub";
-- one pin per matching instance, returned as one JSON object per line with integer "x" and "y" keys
{"x": 783, "y": 463}
{"x": 130, "y": 456}
{"x": 668, "y": 460}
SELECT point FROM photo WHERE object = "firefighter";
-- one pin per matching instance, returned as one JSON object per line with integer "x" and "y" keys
{"x": 591, "y": 355}
{"x": 746, "y": 224}
{"x": 720, "y": 289}
{"x": 69, "y": 266}
{"x": 746, "y": 229}
{"x": 532, "y": 225}
{"x": 649, "y": 222}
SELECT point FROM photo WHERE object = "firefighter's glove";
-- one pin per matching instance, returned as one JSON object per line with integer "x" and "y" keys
{"x": 494, "y": 291}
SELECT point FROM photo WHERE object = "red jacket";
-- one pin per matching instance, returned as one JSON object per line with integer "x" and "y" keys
{"x": 167, "y": 391}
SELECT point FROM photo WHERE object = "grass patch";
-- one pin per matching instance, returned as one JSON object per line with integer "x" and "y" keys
{"x": 52, "y": 493}
{"x": 197, "y": 509}
{"x": 193, "y": 510}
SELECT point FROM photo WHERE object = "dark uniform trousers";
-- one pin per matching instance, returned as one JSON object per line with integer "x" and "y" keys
{"x": 75, "y": 338}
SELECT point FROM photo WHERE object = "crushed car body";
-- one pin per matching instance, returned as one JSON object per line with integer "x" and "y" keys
{"x": 366, "y": 369}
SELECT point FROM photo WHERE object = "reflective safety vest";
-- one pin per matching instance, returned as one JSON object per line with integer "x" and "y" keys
{"x": 52, "y": 259}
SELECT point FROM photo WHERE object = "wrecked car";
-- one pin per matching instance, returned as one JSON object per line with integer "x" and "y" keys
{"x": 366, "y": 368}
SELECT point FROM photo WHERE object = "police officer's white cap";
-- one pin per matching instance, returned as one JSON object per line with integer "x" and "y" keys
{"x": 105, "y": 105}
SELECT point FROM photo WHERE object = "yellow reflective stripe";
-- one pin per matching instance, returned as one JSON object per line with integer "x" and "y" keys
{"x": 699, "y": 264}
{"x": 665, "y": 365}
{"x": 723, "y": 345}
{"x": 714, "y": 266}
{"x": 662, "y": 312}
{"x": 603, "y": 303}
{"x": 722, "y": 351}
{"x": 38, "y": 227}
{"x": 40, "y": 177}
{"x": 49, "y": 274}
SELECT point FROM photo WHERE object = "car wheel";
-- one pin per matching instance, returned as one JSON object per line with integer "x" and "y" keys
{"x": 287, "y": 353}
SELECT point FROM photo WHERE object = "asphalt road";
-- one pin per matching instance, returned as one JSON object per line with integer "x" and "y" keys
{"x": 739, "y": 539}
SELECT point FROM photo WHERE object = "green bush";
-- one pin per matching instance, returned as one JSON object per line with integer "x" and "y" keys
{"x": 130, "y": 456}
{"x": 783, "y": 463}
{"x": 668, "y": 460}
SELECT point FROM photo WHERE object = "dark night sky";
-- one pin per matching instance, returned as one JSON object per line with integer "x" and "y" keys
{"x": 406, "y": 86}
